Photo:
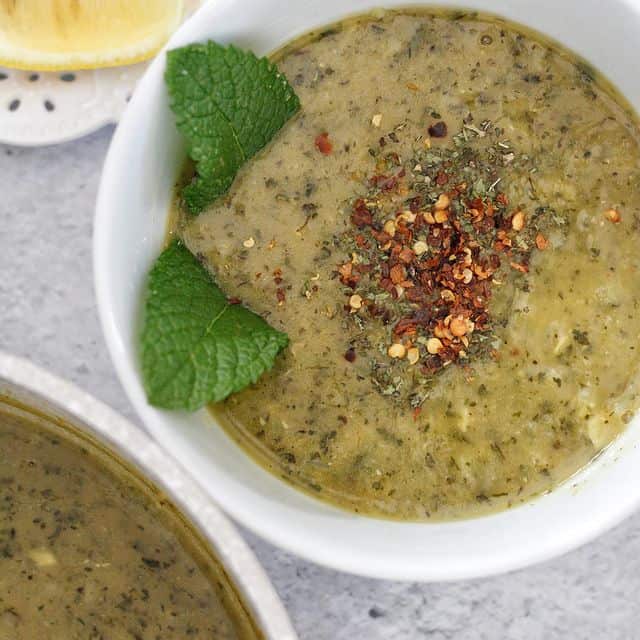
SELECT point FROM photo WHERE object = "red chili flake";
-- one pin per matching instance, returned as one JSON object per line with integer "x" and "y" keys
{"x": 405, "y": 326}
{"x": 416, "y": 413}
{"x": 234, "y": 300}
{"x": 323, "y": 144}
{"x": 442, "y": 178}
{"x": 397, "y": 273}
{"x": 404, "y": 234}
{"x": 523, "y": 268}
{"x": 541, "y": 242}
{"x": 431, "y": 365}
{"x": 350, "y": 355}
{"x": 361, "y": 241}
{"x": 502, "y": 199}
{"x": 381, "y": 236}
{"x": 477, "y": 204}
{"x": 280, "y": 295}
{"x": 613, "y": 215}
{"x": 361, "y": 216}
{"x": 390, "y": 184}
{"x": 378, "y": 180}
{"x": 482, "y": 319}
{"x": 438, "y": 130}
{"x": 407, "y": 255}
{"x": 387, "y": 285}
{"x": 386, "y": 183}
{"x": 415, "y": 294}
{"x": 347, "y": 277}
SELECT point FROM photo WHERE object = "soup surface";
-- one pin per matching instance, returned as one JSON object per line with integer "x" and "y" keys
{"x": 448, "y": 233}
{"x": 89, "y": 551}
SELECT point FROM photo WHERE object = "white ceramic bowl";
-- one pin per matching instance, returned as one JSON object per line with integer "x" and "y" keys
{"x": 51, "y": 398}
{"x": 139, "y": 173}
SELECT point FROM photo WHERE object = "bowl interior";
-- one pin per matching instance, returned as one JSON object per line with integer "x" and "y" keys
{"x": 139, "y": 174}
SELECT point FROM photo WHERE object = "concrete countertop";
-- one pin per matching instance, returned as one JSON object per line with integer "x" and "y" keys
{"x": 48, "y": 314}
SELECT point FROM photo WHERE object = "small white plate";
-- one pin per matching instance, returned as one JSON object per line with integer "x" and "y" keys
{"x": 40, "y": 108}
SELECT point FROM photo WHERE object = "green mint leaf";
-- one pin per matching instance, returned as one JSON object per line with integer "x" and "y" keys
{"x": 196, "y": 346}
{"x": 228, "y": 104}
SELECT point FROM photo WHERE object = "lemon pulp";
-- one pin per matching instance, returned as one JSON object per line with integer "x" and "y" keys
{"x": 81, "y": 34}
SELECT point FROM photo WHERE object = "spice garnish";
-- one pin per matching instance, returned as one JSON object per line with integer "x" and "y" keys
{"x": 613, "y": 215}
{"x": 323, "y": 144}
{"x": 541, "y": 242}
{"x": 426, "y": 244}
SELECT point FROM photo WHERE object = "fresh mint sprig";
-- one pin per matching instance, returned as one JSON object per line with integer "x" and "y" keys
{"x": 198, "y": 347}
{"x": 228, "y": 104}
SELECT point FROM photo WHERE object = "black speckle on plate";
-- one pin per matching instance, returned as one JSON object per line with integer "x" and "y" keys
{"x": 14, "y": 104}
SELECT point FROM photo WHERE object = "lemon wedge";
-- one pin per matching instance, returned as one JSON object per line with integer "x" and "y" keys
{"x": 84, "y": 34}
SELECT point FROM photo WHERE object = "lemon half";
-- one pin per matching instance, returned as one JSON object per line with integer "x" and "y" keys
{"x": 83, "y": 34}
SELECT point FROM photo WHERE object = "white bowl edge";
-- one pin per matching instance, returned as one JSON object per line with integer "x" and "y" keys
{"x": 129, "y": 228}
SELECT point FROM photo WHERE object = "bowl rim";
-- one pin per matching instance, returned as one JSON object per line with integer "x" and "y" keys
{"x": 135, "y": 447}
{"x": 363, "y": 560}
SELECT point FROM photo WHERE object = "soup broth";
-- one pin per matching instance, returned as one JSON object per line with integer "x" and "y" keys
{"x": 89, "y": 550}
{"x": 526, "y": 367}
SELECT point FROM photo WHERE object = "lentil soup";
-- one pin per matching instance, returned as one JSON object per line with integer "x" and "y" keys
{"x": 89, "y": 550}
{"x": 448, "y": 233}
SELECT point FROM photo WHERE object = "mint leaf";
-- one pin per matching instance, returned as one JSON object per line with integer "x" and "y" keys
{"x": 228, "y": 104}
{"x": 196, "y": 346}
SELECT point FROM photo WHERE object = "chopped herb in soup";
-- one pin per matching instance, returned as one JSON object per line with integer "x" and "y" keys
{"x": 447, "y": 231}
{"x": 88, "y": 550}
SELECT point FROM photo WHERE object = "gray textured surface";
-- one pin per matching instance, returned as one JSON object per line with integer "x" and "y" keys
{"x": 48, "y": 315}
